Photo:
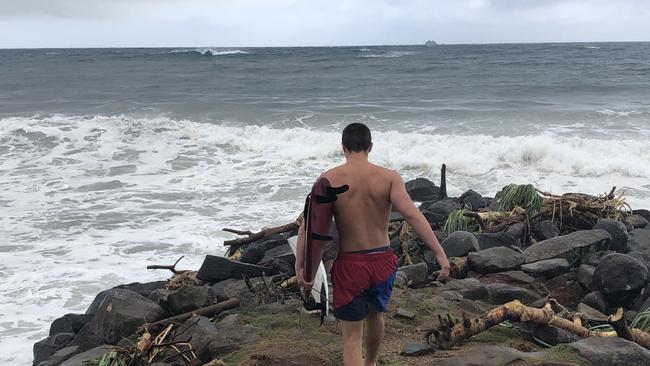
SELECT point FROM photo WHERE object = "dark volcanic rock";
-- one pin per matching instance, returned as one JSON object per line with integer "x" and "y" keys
{"x": 593, "y": 259}
{"x": 460, "y": 243}
{"x": 189, "y": 298}
{"x": 271, "y": 254}
{"x": 48, "y": 346}
{"x": 642, "y": 257}
{"x": 590, "y": 314}
{"x": 491, "y": 355}
{"x": 569, "y": 247}
{"x": 119, "y": 314}
{"x": 227, "y": 289}
{"x": 422, "y": 189}
{"x": 639, "y": 240}
{"x": 551, "y": 335}
{"x": 566, "y": 289}
{"x": 143, "y": 289}
{"x": 436, "y": 212}
{"x": 416, "y": 274}
{"x": 545, "y": 229}
{"x": 69, "y": 323}
{"x": 493, "y": 240}
{"x": 643, "y": 213}
{"x": 501, "y": 293}
{"x": 595, "y": 300}
{"x": 469, "y": 288}
{"x": 620, "y": 277}
{"x": 215, "y": 269}
{"x": 160, "y": 297}
{"x": 497, "y": 259}
{"x": 59, "y": 356}
{"x": 255, "y": 252}
{"x": 82, "y": 359}
{"x": 416, "y": 348}
{"x": 636, "y": 221}
{"x": 472, "y": 200}
{"x": 547, "y": 268}
{"x": 618, "y": 231}
{"x": 585, "y": 275}
{"x": 517, "y": 230}
{"x": 611, "y": 351}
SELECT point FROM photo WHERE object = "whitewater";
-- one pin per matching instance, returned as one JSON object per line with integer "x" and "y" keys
{"x": 114, "y": 159}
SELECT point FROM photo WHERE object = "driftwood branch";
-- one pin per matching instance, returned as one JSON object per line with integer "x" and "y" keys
{"x": 478, "y": 219}
{"x": 404, "y": 236}
{"x": 171, "y": 268}
{"x": 251, "y": 236}
{"x": 443, "y": 181}
{"x": 208, "y": 311}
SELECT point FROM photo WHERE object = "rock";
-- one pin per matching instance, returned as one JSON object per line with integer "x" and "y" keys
{"x": 639, "y": 240}
{"x": 611, "y": 351}
{"x": 548, "y": 268}
{"x": 517, "y": 276}
{"x": 451, "y": 295}
{"x": 472, "y": 200}
{"x": 570, "y": 247}
{"x": 636, "y": 221}
{"x": 278, "y": 251}
{"x": 59, "y": 356}
{"x": 436, "y": 212}
{"x": 416, "y": 348}
{"x": 265, "y": 250}
{"x": 493, "y": 240}
{"x": 48, "y": 346}
{"x": 618, "y": 231}
{"x": 585, "y": 275}
{"x": 517, "y": 230}
{"x": 593, "y": 259}
{"x": 595, "y": 300}
{"x": 69, "y": 323}
{"x": 491, "y": 355}
{"x": 160, "y": 297}
{"x": 215, "y": 269}
{"x": 469, "y": 288}
{"x": 395, "y": 216}
{"x": 645, "y": 305}
{"x": 497, "y": 259}
{"x": 403, "y": 313}
{"x": 460, "y": 243}
{"x": 642, "y": 257}
{"x": 401, "y": 280}
{"x": 566, "y": 289}
{"x": 643, "y": 213}
{"x": 416, "y": 274}
{"x": 82, "y": 359}
{"x": 189, "y": 298}
{"x": 285, "y": 263}
{"x": 591, "y": 314}
{"x": 228, "y": 289}
{"x": 551, "y": 335}
{"x": 545, "y": 229}
{"x": 476, "y": 307}
{"x": 119, "y": 314}
{"x": 422, "y": 189}
{"x": 501, "y": 293}
{"x": 199, "y": 329}
{"x": 211, "y": 341}
{"x": 620, "y": 277}
{"x": 143, "y": 289}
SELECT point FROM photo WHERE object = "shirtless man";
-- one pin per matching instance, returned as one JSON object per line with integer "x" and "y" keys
{"x": 364, "y": 270}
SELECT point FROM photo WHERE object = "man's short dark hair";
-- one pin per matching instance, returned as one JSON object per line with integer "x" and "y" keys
{"x": 356, "y": 137}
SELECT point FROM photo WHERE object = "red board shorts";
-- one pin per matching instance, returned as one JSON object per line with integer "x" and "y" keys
{"x": 361, "y": 279}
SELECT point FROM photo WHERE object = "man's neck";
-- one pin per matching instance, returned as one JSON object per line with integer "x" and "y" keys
{"x": 356, "y": 158}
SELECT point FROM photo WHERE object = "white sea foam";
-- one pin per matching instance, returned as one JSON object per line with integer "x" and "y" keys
{"x": 388, "y": 54}
{"x": 592, "y": 47}
{"x": 609, "y": 112}
{"x": 88, "y": 202}
{"x": 210, "y": 51}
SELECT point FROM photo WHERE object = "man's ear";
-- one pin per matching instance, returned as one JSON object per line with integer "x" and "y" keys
{"x": 343, "y": 149}
{"x": 370, "y": 148}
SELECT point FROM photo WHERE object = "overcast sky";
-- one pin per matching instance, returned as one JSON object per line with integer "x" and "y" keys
{"x": 126, "y": 23}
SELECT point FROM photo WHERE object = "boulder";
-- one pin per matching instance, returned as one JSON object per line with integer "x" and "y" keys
{"x": 469, "y": 288}
{"x": 83, "y": 358}
{"x": 395, "y": 216}
{"x": 69, "y": 323}
{"x": 160, "y": 297}
{"x": 493, "y": 240}
{"x": 620, "y": 277}
{"x": 639, "y": 240}
{"x": 566, "y": 289}
{"x": 585, "y": 275}
{"x": 570, "y": 247}
{"x": 472, "y": 200}
{"x": 460, "y": 243}
{"x": 595, "y": 300}
{"x": 256, "y": 251}
{"x": 611, "y": 351}
{"x": 516, "y": 277}
{"x": 636, "y": 221}
{"x": 422, "y": 189}
{"x": 215, "y": 269}
{"x": 119, "y": 314}
{"x": 618, "y": 231}
{"x": 501, "y": 293}
{"x": 59, "y": 356}
{"x": 497, "y": 259}
{"x": 551, "y": 335}
{"x": 593, "y": 259}
{"x": 48, "y": 346}
{"x": 143, "y": 289}
{"x": 548, "y": 268}
{"x": 590, "y": 314}
{"x": 275, "y": 252}
{"x": 227, "y": 289}
{"x": 188, "y": 298}
{"x": 643, "y": 257}
{"x": 545, "y": 229}
{"x": 643, "y": 213}
{"x": 416, "y": 274}
{"x": 416, "y": 348}
{"x": 491, "y": 355}
{"x": 517, "y": 230}
{"x": 436, "y": 212}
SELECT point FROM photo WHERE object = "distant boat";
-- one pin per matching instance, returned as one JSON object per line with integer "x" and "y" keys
{"x": 431, "y": 44}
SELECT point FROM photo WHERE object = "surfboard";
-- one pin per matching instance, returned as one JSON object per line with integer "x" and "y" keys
{"x": 320, "y": 290}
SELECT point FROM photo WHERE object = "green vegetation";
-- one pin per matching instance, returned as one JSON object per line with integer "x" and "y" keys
{"x": 524, "y": 196}
{"x": 457, "y": 221}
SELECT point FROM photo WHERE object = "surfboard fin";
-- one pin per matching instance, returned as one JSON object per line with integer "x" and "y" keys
{"x": 335, "y": 191}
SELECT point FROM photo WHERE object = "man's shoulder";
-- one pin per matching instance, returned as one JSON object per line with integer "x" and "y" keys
{"x": 386, "y": 172}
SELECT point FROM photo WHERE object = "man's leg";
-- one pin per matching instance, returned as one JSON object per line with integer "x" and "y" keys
{"x": 352, "y": 334}
{"x": 374, "y": 335}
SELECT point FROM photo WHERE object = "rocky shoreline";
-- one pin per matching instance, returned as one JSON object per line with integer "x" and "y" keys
{"x": 572, "y": 260}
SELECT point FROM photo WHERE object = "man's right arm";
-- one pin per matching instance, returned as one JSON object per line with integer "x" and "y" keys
{"x": 402, "y": 202}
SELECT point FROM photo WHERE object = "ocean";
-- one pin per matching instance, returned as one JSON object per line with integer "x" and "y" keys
{"x": 113, "y": 159}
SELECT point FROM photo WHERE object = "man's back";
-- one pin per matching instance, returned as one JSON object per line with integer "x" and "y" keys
{"x": 362, "y": 212}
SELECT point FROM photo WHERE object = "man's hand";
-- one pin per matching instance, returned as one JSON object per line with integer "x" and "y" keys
{"x": 444, "y": 266}
{"x": 304, "y": 285}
